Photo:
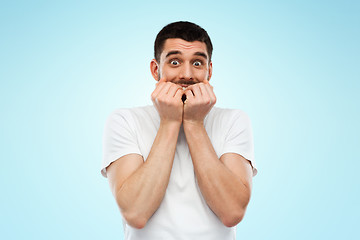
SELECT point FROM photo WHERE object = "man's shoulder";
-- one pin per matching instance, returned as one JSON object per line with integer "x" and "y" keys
{"x": 225, "y": 118}
{"x": 134, "y": 116}
{"x": 227, "y": 113}
{"x": 134, "y": 111}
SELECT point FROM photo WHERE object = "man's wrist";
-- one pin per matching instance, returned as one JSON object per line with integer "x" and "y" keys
{"x": 193, "y": 125}
{"x": 170, "y": 123}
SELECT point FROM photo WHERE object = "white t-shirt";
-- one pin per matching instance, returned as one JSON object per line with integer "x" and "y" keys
{"x": 183, "y": 213}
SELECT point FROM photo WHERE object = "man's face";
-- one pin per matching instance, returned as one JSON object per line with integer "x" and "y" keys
{"x": 183, "y": 63}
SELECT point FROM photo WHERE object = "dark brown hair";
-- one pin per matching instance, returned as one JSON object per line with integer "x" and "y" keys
{"x": 185, "y": 30}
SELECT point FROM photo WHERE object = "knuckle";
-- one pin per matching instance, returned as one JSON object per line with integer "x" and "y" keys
{"x": 160, "y": 99}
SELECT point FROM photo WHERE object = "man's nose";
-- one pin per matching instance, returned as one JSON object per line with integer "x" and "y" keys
{"x": 186, "y": 72}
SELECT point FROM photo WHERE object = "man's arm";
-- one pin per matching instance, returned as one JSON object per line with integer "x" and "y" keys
{"x": 225, "y": 183}
{"x": 139, "y": 186}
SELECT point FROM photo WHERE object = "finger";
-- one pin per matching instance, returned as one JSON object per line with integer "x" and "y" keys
{"x": 178, "y": 94}
{"x": 189, "y": 94}
{"x": 173, "y": 90}
{"x": 161, "y": 80}
{"x": 206, "y": 81}
{"x": 166, "y": 88}
{"x": 157, "y": 90}
{"x": 205, "y": 94}
{"x": 204, "y": 91}
{"x": 196, "y": 90}
{"x": 210, "y": 90}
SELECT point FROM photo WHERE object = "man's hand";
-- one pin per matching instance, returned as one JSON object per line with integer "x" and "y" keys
{"x": 167, "y": 100}
{"x": 200, "y": 98}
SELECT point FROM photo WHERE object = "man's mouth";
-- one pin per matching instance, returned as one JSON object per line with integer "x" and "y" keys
{"x": 184, "y": 86}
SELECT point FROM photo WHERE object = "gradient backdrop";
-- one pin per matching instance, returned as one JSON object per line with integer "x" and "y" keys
{"x": 293, "y": 66}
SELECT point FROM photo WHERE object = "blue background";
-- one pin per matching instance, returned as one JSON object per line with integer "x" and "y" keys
{"x": 293, "y": 66}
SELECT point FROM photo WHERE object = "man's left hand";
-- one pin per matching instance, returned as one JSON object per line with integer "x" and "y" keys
{"x": 200, "y": 98}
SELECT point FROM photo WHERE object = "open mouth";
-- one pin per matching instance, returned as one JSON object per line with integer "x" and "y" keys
{"x": 184, "y": 86}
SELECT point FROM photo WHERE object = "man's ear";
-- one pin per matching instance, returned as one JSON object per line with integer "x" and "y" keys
{"x": 210, "y": 71}
{"x": 154, "y": 68}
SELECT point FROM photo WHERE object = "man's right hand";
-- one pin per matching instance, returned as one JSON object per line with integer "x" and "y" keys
{"x": 167, "y": 100}
{"x": 139, "y": 185}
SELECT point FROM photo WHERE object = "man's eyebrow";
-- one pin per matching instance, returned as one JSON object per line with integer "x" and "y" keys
{"x": 201, "y": 54}
{"x": 172, "y": 53}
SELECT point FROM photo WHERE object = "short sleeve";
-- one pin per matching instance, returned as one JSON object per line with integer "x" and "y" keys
{"x": 239, "y": 137}
{"x": 119, "y": 138}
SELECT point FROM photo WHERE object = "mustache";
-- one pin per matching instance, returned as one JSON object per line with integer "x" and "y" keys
{"x": 186, "y": 82}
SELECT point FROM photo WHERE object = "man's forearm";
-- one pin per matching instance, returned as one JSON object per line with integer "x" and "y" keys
{"x": 223, "y": 191}
{"x": 141, "y": 194}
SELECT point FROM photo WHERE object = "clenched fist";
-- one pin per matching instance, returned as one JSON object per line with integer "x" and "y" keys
{"x": 200, "y": 98}
{"x": 167, "y": 100}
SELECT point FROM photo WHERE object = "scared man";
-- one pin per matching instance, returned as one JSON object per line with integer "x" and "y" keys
{"x": 180, "y": 168}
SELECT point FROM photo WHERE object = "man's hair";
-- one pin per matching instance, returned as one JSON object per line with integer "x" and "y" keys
{"x": 185, "y": 30}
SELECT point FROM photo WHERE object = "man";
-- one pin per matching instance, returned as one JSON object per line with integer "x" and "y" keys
{"x": 180, "y": 169}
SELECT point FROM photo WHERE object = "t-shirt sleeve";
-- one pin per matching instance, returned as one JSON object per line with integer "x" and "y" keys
{"x": 239, "y": 138}
{"x": 119, "y": 138}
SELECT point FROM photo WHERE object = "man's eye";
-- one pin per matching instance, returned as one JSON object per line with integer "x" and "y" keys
{"x": 197, "y": 64}
{"x": 174, "y": 62}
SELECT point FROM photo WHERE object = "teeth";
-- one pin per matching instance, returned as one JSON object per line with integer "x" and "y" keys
{"x": 184, "y": 88}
